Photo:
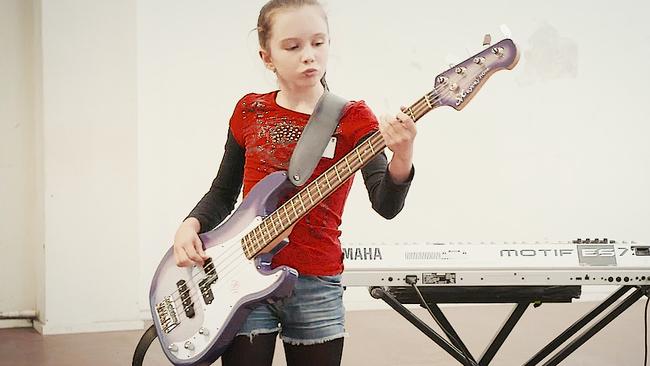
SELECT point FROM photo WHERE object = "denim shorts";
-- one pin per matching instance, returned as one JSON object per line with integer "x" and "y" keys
{"x": 314, "y": 313}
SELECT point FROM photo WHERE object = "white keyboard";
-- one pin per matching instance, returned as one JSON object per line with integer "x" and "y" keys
{"x": 578, "y": 262}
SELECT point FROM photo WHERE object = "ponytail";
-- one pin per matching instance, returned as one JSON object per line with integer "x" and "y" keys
{"x": 324, "y": 82}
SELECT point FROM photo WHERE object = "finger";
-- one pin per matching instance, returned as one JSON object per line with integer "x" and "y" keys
{"x": 193, "y": 255}
{"x": 396, "y": 126}
{"x": 408, "y": 123}
{"x": 198, "y": 245}
{"x": 404, "y": 117}
{"x": 388, "y": 133}
{"x": 181, "y": 258}
{"x": 407, "y": 111}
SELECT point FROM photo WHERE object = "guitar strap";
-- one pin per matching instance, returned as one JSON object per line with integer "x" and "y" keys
{"x": 143, "y": 346}
{"x": 315, "y": 137}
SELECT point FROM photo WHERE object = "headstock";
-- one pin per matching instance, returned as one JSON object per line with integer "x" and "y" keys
{"x": 456, "y": 86}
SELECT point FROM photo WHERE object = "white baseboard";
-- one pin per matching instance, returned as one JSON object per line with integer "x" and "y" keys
{"x": 15, "y": 323}
{"x": 51, "y": 329}
{"x": 145, "y": 314}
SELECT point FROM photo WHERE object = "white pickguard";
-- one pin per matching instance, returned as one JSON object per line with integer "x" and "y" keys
{"x": 238, "y": 278}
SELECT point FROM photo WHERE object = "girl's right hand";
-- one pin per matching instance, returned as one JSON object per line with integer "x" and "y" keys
{"x": 188, "y": 248}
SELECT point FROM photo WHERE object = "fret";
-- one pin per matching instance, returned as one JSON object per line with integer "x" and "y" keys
{"x": 348, "y": 163}
{"x": 286, "y": 213}
{"x": 337, "y": 174}
{"x": 250, "y": 244}
{"x": 411, "y": 113}
{"x": 359, "y": 155}
{"x": 260, "y": 235}
{"x": 309, "y": 194}
{"x": 294, "y": 208}
{"x": 301, "y": 202}
{"x": 255, "y": 241}
{"x": 245, "y": 245}
{"x": 255, "y": 238}
{"x": 327, "y": 179}
{"x": 272, "y": 218}
{"x": 258, "y": 245}
{"x": 266, "y": 226}
{"x": 364, "y": 153}
{"x": 371, "y": 148}
{"x": 426, "y": 97}
{"x": 318, "y": 188}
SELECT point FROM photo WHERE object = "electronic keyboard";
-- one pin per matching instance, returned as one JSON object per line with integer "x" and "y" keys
{"x": 577, "y": 262}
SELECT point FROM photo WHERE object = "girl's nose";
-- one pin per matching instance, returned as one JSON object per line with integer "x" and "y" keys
{"x": 308, "y": 55}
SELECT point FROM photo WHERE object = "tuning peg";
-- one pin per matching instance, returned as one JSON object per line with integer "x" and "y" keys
{"x": 487, "y": 40}
{"x": 479, "y": 60}
{"x": 498, "y": 51}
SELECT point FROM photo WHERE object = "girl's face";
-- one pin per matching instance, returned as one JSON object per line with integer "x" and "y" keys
{"x": 298, "y": 48}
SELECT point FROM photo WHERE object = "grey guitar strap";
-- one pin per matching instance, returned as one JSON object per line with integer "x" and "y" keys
{"x": 315, "y": 137}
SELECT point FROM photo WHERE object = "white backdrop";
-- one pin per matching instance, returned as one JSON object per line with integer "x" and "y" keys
{"x": 553, "y": 150}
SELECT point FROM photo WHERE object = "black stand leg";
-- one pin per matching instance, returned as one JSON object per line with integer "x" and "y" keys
{"x": 573, "y": 329}
{"x": 458, "y": 350}
{"x": 584, "y": 337}
{"x": 379, "y": 293}
{"x": 449, "y": 330}
{"x": 498, "y": 340}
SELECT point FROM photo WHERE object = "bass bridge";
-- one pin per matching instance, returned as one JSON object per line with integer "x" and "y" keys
{"x": 167, "y": 314}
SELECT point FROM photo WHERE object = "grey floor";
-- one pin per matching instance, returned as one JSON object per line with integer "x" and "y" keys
{"x": 377, "y": 338}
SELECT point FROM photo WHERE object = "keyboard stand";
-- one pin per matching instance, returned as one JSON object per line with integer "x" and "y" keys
{"x": 522, "y": 296}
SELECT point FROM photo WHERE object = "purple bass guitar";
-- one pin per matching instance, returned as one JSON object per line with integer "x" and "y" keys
{"x": 198, "y": 310}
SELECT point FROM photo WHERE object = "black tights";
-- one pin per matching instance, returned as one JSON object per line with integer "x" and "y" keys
{"x": 243, "y": 352}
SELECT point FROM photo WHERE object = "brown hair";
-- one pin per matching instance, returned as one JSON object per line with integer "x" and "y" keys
{"x": 264, "y": 21}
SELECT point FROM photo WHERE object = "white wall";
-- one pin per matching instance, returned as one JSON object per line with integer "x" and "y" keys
{"x": 89, "y": 130}
{"x": 17, "y": 159}
{"x": 553, "y": 150}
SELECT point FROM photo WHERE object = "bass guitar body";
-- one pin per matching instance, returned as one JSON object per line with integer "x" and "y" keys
{"x": 198, "y": 311}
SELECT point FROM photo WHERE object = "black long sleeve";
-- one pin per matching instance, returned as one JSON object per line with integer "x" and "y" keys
{"x": 386, "y": 196}
{"x": 220, "y": 200}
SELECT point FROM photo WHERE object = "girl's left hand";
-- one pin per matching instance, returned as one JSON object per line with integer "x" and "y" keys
{"x": 399, "y": 133}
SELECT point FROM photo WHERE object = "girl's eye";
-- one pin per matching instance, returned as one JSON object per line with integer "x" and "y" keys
{"x": 291, "y": 48}
{"x": 319, "y": 43}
